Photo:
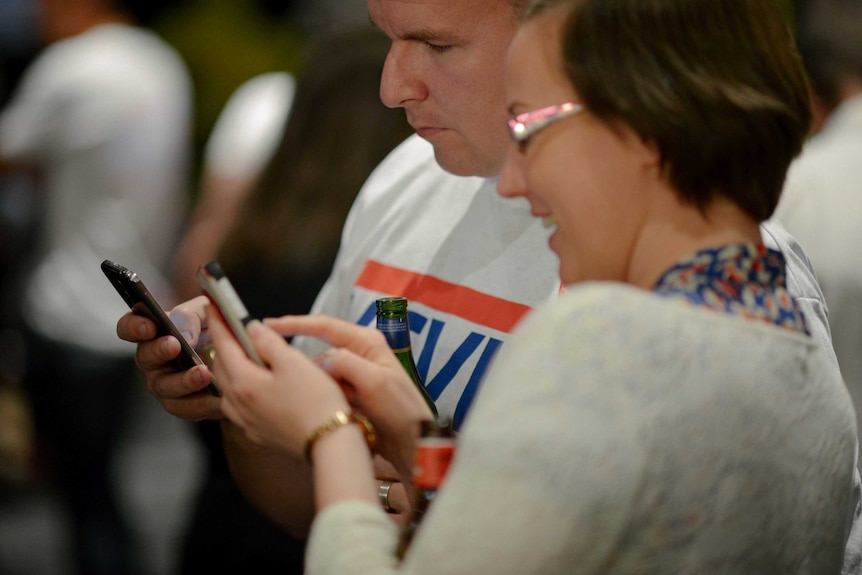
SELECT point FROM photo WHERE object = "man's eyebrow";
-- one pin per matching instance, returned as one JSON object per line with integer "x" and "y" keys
{"x": 418, "y": 35}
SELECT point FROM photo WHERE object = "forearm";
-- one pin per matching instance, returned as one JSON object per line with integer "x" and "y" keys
{"x": 274, "y": 482}
{"x": 342, "y": 468}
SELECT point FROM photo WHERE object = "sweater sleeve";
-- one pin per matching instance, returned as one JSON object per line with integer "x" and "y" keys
{"x": 352, "y": 537}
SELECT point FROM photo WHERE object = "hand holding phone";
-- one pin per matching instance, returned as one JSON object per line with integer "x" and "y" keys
{"x": 139, "y": 299}
{"x": 221, "y": 293}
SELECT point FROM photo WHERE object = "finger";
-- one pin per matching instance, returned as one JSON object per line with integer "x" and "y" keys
{"x": 398, "y": 500}
{"x": 272, "y": 347}
{"x": 188, "y": 323}
{"x": 365, "y": 341}
{"x": 168, "y": 383}
{"x": 230, "y": 357}
{"x": 158, "y": 353}
{"x": 344, "y": 365}
{"x": 135, "y": 328}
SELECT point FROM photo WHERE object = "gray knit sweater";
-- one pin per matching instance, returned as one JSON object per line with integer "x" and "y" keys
{"x": 620, "y": 432}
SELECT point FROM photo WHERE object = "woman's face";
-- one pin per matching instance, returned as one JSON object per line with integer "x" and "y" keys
{"x": 589, "y": 181}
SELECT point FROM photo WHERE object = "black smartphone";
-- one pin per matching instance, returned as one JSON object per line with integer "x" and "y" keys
{"x": 141, "y": 301}
{"x": 221, "y": 293}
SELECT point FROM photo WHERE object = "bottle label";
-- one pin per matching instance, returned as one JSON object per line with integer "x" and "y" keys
{"x": 397, "y": 332}
{"x": 433, "y": 456}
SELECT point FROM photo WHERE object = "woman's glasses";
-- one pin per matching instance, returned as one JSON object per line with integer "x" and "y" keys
{"x": 523, "y": 126}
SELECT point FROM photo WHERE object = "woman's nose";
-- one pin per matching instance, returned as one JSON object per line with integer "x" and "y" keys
{"x": 512, "y": 183}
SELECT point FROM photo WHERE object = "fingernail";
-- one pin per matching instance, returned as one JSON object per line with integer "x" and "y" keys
{"x": 324, "y": 360}
{"x": 199, "y": 379}
{"x": 187, "y": 335}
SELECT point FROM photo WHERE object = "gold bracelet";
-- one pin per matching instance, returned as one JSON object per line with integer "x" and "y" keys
{"x": 340, "y": 419}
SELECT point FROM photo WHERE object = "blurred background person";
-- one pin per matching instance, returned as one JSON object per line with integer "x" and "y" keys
{"x": 243, "y": 140}
{"x": 101, "y": 118}
{"x": 822, "y": 199}
{"x": 281, "y": 170}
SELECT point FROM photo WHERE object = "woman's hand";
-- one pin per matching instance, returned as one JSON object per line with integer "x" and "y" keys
{"x": 373, "y": 380}
{"x": 279, "y": 406}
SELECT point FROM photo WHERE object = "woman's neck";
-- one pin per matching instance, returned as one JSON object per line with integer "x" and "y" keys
{"x": 675, "y": 230}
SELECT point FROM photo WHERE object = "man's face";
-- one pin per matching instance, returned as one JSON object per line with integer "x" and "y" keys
{"x": 446, "y": 69}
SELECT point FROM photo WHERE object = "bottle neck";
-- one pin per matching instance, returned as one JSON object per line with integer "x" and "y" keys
{"x": 397, "y": 332}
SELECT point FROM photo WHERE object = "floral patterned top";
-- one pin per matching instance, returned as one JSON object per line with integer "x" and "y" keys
{"x": 747, "y": 280}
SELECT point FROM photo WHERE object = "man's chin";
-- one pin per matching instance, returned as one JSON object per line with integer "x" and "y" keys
{"x": 465, "y": 164}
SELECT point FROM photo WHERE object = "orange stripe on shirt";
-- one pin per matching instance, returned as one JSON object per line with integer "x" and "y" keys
{"x": 472, "y": 305}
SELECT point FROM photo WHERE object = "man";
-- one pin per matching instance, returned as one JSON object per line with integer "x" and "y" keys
{"x": 470, "y": 263}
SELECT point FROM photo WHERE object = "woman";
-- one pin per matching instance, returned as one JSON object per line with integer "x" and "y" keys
{"x": 669, "y": 413}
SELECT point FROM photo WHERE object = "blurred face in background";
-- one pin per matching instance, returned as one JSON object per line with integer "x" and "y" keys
{"x": 446, "y": 69}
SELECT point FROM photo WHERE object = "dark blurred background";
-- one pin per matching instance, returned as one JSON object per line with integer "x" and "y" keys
{"x": 224, "y": 42}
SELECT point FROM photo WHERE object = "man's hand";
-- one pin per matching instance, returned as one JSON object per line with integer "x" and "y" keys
{"x": 183, "y": 394}
{"x": 395, "y": 491}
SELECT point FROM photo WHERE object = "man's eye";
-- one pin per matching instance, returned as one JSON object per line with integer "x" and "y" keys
{"x": 440, "y": 48}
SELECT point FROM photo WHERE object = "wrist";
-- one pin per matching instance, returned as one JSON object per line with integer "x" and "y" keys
{"x": 341, "y": 419}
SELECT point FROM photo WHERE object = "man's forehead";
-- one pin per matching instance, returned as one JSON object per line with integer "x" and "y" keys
{"x": 429, "y": 19}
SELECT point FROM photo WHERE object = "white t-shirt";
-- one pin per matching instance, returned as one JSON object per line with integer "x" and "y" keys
{"x": 106, "y": 117}
{"x": 471, "y": 264}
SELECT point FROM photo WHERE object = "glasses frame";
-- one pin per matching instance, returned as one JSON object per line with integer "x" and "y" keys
{"x": 523, "y": 126}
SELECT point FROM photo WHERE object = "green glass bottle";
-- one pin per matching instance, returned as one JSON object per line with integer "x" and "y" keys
{"x": 392, "y": 322}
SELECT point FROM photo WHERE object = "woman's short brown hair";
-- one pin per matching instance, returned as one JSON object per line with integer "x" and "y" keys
{"x": 717, "y": 85}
